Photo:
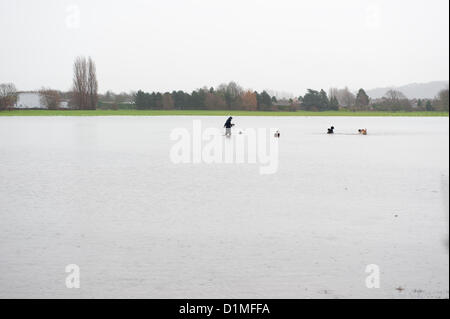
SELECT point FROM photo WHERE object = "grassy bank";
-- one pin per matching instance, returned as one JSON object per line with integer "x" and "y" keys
{"x": 207, "y": 113}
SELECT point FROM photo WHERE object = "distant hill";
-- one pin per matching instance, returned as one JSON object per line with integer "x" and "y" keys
{"x": 414, "y": 90}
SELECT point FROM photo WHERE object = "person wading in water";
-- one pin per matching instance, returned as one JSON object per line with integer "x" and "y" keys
{"x": 228, "y": 126}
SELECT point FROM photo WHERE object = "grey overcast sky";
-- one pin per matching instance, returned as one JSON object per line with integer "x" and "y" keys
{"x": 284, "y": 45}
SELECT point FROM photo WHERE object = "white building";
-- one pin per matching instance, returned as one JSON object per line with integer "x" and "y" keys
{"x": 32, "y": 100}
{"x": 29, "y": 100}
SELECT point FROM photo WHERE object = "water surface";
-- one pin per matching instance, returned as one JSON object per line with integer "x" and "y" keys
{"x": 102, "y": 193}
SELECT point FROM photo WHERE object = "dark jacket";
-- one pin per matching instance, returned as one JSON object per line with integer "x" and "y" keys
{"x": 228, "y": 123}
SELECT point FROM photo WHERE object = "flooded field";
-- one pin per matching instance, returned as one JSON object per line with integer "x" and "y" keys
{"x": 104, "y": 193}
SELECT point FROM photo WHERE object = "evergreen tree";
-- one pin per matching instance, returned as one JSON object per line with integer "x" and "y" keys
{"x": 274, "y": 100}
{"x": 362, "y": 99}
{"x": 324, "y": 102}
{"x": 312, "y": 100}
{"x": 266, "y": 100}
{"x": 158, "y": 103}
{"x": 258, "y": 100}
{"x": 139, "y": 100}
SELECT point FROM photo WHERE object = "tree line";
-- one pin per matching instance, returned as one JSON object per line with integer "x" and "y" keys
{"x": 392, "y": 101}
{"x": 225, "y": 97}
{"x": 231, "y": 96}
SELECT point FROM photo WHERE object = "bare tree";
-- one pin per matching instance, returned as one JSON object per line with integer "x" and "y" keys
{"x": 396, "y": 100}
{"x": 85, "y": 85}
{"x": 394, "y": 95}
{"x": 333, "y": 92}
{"x": 346, "y": 98}
{"x": 8, "y": 95}
{"x": 249, "y": 101}
{"x": 215, "y": 102}
{"x": 51, "y": 99}
{"x": 80, "y": 84}
{"x": 92, "y": 85}
{"x": 231, "y": 93}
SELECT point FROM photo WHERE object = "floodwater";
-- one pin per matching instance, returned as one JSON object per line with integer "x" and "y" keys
{"x": 103, "y": 193}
